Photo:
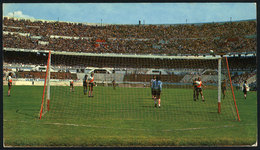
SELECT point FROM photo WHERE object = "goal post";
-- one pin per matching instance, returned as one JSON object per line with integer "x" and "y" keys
{"x": 219, "y": 85}
{"x": 48, "y": 82}
{"x": 232, "y": 89}
{"x": 46, "y": 101}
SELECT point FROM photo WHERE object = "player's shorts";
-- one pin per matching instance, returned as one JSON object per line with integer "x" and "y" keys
{"x": 71, "y": 85}
{"x": 153, "y": 92}
{"x": 9, "y": 85}
{"x": 91, "y": 84}
{"x": 223, "y": 88}
{"x": 157, "y": 93}
{"x": 245, "y": 91}
{"x": 199, "y": 89}
{"x": 85, "y": 84}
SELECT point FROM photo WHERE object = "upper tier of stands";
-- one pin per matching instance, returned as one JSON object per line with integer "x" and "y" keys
{"x": 131, "y": 39}
{"x": 32, "y": 58}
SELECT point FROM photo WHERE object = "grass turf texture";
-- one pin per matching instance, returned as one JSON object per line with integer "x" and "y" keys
{"x": 126, "y": 117}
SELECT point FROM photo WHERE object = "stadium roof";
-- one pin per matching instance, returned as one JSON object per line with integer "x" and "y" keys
{"x": 183, "y": 56}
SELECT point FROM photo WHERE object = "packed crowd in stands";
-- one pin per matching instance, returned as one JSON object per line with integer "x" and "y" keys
{"x": 147, "y": 78}
{"x": 130, "y": 39}
{"x": 238, "y": 79}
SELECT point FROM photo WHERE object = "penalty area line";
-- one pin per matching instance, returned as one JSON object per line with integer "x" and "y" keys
{"x": 134, "y": 129}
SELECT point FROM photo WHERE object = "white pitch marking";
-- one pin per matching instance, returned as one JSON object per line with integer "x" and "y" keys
{"x": 185, "y": 129}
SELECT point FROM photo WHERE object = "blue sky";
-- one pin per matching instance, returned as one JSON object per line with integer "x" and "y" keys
{"x": 130, "y": 13}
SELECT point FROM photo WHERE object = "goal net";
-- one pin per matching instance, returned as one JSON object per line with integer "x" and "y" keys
{"x": 122, "y": 91}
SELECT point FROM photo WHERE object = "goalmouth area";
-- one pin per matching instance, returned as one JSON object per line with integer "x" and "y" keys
{"x": 126, "y": 116}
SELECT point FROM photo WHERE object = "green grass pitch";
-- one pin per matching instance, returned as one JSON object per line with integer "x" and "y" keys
{"x": 126, "y": 117}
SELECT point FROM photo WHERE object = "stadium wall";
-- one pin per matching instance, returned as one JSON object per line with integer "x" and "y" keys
{"x": 77, "y": 83}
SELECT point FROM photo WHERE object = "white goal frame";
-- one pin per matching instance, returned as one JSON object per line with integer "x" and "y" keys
{"x": 210, "y": 57}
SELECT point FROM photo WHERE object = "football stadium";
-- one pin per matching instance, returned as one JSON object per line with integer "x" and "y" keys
{"x": 78, "y": 84}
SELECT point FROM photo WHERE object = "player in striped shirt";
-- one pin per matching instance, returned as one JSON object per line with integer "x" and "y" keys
{"x": 91, "y": 84}
{"x": 10, "y": 83}
{"x": 157, "y": 87}
{"x": 199, "y": 88}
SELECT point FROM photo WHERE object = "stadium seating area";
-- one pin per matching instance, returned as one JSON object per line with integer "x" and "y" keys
{"x": 238, "y": 79}
{"x": 147, "y": 78}
{"x": 41, "y": 75}
{"x": 133, "y": 39}
{"x": 127, "y": 39}
{"x": 235, "y": 63}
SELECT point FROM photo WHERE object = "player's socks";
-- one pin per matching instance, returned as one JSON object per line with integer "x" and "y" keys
{"x": 155, "y": 105}
{"x": 202, "y": 97}
{"x": 159, "y": 103}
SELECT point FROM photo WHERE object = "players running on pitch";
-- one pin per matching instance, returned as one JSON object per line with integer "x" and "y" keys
{"x": 91, "y": 84}
{"x": 199, "y": 89}
{"x": 157, "y": 88}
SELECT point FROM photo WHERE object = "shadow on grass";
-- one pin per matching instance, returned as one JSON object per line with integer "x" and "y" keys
{"x": 27, "y": 114}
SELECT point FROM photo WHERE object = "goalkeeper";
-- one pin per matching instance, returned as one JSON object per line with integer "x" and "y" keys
{"x": 157, "y": 87}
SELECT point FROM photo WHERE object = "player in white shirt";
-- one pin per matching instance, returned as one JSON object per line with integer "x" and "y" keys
{"x": 10, "y": 83}
{"x": 91, "y": 84}
{"x": 245, "y": 87}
